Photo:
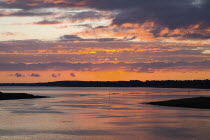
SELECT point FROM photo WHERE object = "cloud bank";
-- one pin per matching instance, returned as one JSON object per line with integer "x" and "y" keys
{"x": 88, "y": 67}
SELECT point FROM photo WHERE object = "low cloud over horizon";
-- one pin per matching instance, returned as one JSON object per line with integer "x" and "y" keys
{"x": 102, "y": 67}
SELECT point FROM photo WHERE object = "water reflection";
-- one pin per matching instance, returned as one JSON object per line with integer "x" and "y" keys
{"x": 102, "y": 113}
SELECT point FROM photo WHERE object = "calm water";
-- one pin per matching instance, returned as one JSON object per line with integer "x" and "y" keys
{"x": 101, "y": 114}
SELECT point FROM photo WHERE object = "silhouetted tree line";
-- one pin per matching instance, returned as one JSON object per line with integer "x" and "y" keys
{"x": 204, "y": 84}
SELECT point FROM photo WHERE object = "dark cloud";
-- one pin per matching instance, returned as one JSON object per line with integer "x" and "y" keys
{"x": 71, "y": 38}
{"x": 17, "y": 75}
{"x": 72, "y": 75}
{"x": 172, "y": 14}
{"x": 47, "y": 22}
{"x": 195, "y": 36}
{"x": 88, "y": 67}
{"x": 84, "y": 25}
{"x": 86, "y": 15}
{"x": 22, "y": 75}
{"x": 56, "y": 75}
{"x": 77, "y": 38}
{"x": 35, "y": 75}
{"x": 33, "y": 4}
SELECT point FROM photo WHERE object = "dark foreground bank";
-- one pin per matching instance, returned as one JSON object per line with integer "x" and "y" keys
{"x": 198, "y": 102}
{"x": 13, "y": 96}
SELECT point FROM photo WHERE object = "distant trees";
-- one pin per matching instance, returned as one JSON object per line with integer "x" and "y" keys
{"x": 205, "y": 84}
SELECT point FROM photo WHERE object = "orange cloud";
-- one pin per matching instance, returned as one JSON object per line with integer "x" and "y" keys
{"x": 140, "y": 32}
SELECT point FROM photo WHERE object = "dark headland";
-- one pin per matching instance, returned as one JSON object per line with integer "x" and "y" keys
{"x": 15, "y": 96}
{"x": 197, "y": 102}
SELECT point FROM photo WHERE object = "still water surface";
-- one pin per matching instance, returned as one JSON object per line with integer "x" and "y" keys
{"x": 101, "y": 114}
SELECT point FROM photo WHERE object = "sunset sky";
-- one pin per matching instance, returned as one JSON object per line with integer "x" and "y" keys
{"x": 106, "y": 40}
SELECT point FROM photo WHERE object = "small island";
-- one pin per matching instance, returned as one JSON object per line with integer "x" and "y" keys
{"x": 197, "y": 102}
{"x": 15, "y": 96}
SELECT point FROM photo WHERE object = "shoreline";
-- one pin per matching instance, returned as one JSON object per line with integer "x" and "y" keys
{"x": 196, "y": 84}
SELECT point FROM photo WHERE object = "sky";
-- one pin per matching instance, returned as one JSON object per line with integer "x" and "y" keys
{"x": 104, "y": 40}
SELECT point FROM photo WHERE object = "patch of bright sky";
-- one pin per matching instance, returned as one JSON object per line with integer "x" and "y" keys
{"x": 198, "y": 3}
{"x": 62, "y": 10}
{"x": 9, "y": 10}
{"x": 206, "y": 52}
{"x": 18, "y": 20}
{"x": 41, "y": 32}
